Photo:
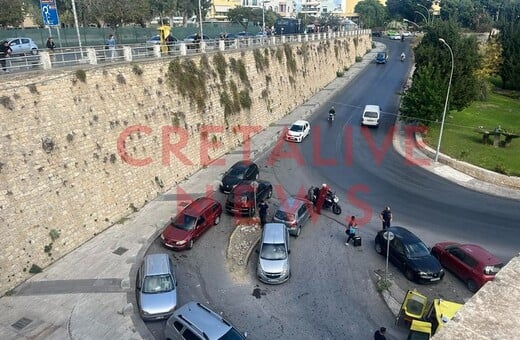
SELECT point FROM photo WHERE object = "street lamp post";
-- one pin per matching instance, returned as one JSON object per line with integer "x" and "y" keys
{"x": 446, "y": 102}
{"x": 411, "y": 22}
{"x": 427, "y": 11}
{"x": 425, "y": 20}
{"x": 200, "y": 20}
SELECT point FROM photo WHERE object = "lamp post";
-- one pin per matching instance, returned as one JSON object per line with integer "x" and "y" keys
{"x": 425, "y": 20}
{"x": 446, "y": 102}
{"x": 411, "y": 22}
{"x": 427, "y": 11}
{"x": 200, "y": 20}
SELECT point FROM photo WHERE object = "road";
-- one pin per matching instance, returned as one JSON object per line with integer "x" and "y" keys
{"x": 331, "y": 294}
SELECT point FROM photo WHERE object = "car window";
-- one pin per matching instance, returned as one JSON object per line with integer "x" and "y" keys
{"x": 302, "y": 210}
{"x": 416, "y": 250}
{"x": 189, "y": 335}
{"x": 273, "y": 251}
{"x": 370, "y": 114}
{"x": 236, "y": 172}
{"x": 158, "y": 284}
{"x": 296, "y": 128}
{"x": 456, "y": 252}
{"x": 201, "y": 221}
{"x": 14, "y": 42}
{"x": 184, "y": 222}
{"x": 283, "y": 216}
{"x": 177, "y": 325}
{"x": 398, "y": 246}
{"x": 470, "y": 261}
{"x": 25, "y": 41}
{"x": 232, "y": 334}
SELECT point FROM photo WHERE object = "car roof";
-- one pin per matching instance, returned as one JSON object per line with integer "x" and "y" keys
{"x": 300, "y": 122}
{"x": 371, "y": 107}
{"x": 291, "y": 204}
{"x": 273, "y": 233}
{"x": 196, "y": 207}
{"x": 480, "y": 254}
{"x": 405, "y": 235}
{"x": 156, "y": 264}
{"x": 242, "y": 164}
{"x": 203, "y": 319}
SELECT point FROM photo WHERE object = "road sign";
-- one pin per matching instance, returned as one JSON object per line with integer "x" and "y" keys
{"x": 388, "y": 235}
{"x": 49, "y": 12}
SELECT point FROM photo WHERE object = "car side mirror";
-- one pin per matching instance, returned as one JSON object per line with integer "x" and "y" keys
{"x": 245, "y": 334}
{"x": 288, "y": 251}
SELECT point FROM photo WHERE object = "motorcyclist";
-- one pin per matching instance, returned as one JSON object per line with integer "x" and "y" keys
{"x": 403, "y": 56}
{"x": 332, "y": 113}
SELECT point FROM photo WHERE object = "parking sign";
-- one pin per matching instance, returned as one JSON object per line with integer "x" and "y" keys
{"x": 49, "y": 12}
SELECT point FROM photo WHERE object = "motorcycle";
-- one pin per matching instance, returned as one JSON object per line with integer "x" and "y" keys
{"x": 331, "y": 200}
{"x": 403, "y": 57}
{"x": 331, "y": 117}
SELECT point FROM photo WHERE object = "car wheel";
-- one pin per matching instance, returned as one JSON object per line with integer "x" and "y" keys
{"x": 270, "y": 193}
{"x": 190, "y": 244}
{"x": 379, "y": 249}
{"x": 409, "y": 274}
{"x": 34, "y": 51}
{"x": 252, "y": 212}
{"x": 298, "y": 231}
{"x": 472, "y": 286}
{"x": 336, "y": 209}
{"x": 217, "y": 220}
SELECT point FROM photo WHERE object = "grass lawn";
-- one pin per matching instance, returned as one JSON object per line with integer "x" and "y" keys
{"x": 461, "y": 141}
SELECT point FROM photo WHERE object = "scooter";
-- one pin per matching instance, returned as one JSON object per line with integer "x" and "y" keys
{"x": 331, "y": 117}
{"x": 403, "y": 58}
{"x": 331, "y": 200}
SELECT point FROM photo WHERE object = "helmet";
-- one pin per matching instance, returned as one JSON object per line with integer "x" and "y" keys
{"x": 324, "y": 185}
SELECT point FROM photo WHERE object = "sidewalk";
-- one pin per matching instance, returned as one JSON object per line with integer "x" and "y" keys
{"x": 87, "y": 294}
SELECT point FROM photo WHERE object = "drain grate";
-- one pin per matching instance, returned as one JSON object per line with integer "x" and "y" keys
{"x": 120, "y": 251}
{"x": 21, "y": 324}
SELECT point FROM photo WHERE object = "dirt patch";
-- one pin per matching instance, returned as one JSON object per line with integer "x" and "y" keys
{"x": 241, "y": 243}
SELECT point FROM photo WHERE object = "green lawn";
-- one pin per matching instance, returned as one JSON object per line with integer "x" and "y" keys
{"x": 460, "y": 141}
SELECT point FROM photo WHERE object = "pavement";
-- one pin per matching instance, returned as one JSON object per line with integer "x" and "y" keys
{"x": 89, "y": 294}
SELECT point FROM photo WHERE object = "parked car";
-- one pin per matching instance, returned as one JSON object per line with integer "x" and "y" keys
{"x": 196, "y": 321}
{"x": 408, "y": 253}
{"x": 229, "y": 39}
{"x": 190, "y": 40}
{"x": 195, "y": 219}
{"x": 273, "y": 259}
{"x": 22, "y": 46}
{"x": 242, "y": 170}
{"x": 294, "y": 212}
{"x": 156, "y": 40}
{"x": 298, "y": 131}
{"x": 245, "y": 196}
{"x": 469, "y": 262}
{"x": 156, "y": 287}
{"x": 245, "y": 35}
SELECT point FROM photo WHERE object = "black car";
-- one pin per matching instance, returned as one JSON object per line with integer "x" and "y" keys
{"x": 410, "y": 255}
{"x": 245, "y": 196}
{"x": 243, "y": 170}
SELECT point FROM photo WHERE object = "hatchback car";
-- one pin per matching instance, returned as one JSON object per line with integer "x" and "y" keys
{"x": 294, "y": 213}
{"x": 23, "y": 46}
{"x": 408, "y": 253}
{"x": 156, "y": 291}
{"x": 156, "y": 40}
{"x": 273, "y": 259}
{"x": 196, "y": 321}
{"x": 298, "y": 131}
{"x": 245, "y": 196}
{"x": 469, "y": 262}
{"x": 195, "y": 219}
{"x": 242, "y": 170}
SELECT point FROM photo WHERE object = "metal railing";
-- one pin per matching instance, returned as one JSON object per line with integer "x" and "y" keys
{"x": 100, "y": 54}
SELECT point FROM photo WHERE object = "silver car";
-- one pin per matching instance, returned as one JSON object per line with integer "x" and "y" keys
{"x": 196, "y": 321}
{"x": 273, "y": 258}
{"x": 156, "y": 287}
{"x": 23, "y": 46}
{"x": 294, "y": 213}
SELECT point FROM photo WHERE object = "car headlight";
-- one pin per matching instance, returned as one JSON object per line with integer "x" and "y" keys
{"x": 180, "y": 243}
{"x": 336, "y": 199}
{"x": 285, "y": 269}
{"x": 422, "y": 273}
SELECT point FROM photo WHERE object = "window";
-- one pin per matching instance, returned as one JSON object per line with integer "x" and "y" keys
{"x": 158, "y": 284}
{"x": 273, "y": 251}
{"x": 398, "y": 246}
{"x": 457, "y": 253}
{"x": 177, "y": 325}
{"x": 470, "y": 261}
{"x": 189, "y": 335}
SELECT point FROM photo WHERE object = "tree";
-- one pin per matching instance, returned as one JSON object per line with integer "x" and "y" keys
{"x": 372, "y": 13}
{"x": 12, "y": 13}
{"x": 509, "y": 36}
{"x": 242, "y": 15}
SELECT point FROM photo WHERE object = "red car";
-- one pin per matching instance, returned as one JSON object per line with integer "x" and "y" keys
{"x": 469, "y": 262}
{"x": 197, "y": 217}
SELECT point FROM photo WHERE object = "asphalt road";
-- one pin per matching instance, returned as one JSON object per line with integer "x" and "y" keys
{"x": 331, "y": 294}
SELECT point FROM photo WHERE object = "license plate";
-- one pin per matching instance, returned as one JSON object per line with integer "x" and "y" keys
{"x": 435, "y": 279}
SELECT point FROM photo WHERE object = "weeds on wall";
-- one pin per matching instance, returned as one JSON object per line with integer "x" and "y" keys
{"x": 219, "y": 61}
{"x": 238, "y": 67}
{"x": 245, "y": 99}
{"x": 304, "y": 51}
{"x": 261, "y": 60}
{"x": 359, "y": 59}
{"x": 7, "y": 102}
{"x": 289, "y": 57}
{"x": 189, "y": 80}
{"x": 121, "y": 79}
{"x": 35, "y": 269}
{"x": 336, "y": 48}
{"x": 137, "y": 69}
{"x": 81, "y": 75}
{"x": 32, "y": 88}
{"x": 279, "y": 54}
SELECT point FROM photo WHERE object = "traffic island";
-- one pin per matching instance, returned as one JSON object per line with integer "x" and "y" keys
{"x": 241, "y": 244}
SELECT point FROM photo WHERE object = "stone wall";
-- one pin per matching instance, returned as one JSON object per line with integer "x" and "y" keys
{"x": 64, "y": 173}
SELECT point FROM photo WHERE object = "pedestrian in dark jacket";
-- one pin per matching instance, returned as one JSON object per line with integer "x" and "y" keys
{"x": 262, "y": 212}
{"x": 386, "y": 217}
{"x": 5, "y": 52}
{"x": 380, "y": 334}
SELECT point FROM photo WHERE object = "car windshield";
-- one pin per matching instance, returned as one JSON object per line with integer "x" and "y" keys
{"x": 232, "y": 334}
{"x": 284, "y": 216}
{"x": 273, "y": 251}
{"x": 296, "y": 128}
{"x": 416, "y": 250}
{"x": 185, "y": 222}
{"x": 380, "y": 55}
{"x": 370, "y": 114}
{"x": 158, "y": 284}
{"x": 236, "y": 172}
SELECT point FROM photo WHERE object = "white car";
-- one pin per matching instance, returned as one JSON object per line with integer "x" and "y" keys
{"x": 23, "y": 46}
{"x": 298, "y": 131}
{"x": 395, "y": 37}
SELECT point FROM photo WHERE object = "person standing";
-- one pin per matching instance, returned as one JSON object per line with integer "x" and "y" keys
{"x": 50, "y": 46}
{"x": 111, "y": 43}
{"x": 322, "y": 195}
{"x": 386, "y": 217}
{"x": 5, "y": 52}
{"x": 380, "y": 334}
{"x": 351, "y": 229}
{"x": 262, "y": 212}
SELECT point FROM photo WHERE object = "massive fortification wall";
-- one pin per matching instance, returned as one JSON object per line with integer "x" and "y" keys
{"x": 80, "y": 149}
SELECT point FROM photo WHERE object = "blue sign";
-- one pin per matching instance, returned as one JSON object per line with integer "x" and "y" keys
{"x": 49, "y": 13}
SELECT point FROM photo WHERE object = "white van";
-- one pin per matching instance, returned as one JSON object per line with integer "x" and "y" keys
{"x": 371, "y": 115}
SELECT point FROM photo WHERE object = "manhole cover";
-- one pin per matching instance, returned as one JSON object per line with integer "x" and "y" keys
{"x": 120, "y": 251}
{"x": 22, "y": 323}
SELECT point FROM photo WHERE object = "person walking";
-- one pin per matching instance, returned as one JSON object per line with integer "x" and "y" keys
{"x": 380, "y": 334}
{"x": 50, "y": 47}
{"x": 111, "y": 43}
{"x": 351, "y": 229}
{"x": 5, "y": 52}
{"x": 262, "y": 212}
{"x": 320, "y": 199}
{"x": 386, "y": 217}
